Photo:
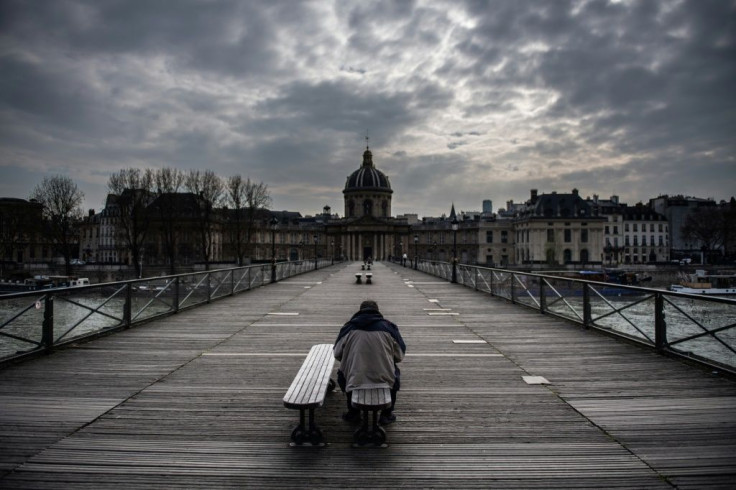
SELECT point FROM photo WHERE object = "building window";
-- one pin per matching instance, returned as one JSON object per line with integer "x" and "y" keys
{"x": 626, "y": 227}
{"x": 550, "y": 235}
{"x": 615, "y": 230}
{"x": 636, "y": 226}
{"x": 607, "y": 230}
{"x": 504, "y": 237}
{"x": 568, "y": 235}
{"x": 367, "y": 207}
{"x": 489, "y": 236}
{"x": 584, "y": 236}
{"x": 567, "y": 255}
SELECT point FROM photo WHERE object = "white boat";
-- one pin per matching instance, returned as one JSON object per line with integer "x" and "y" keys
{"x": 703, "y": 283}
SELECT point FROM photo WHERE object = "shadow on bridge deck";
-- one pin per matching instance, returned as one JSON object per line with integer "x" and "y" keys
{"x": 195, "y": 400}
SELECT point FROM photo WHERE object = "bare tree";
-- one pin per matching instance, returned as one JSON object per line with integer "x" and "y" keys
{"x": 245, "y": 197}
{"x": 62, "y": 211}
{"x": 705, "y": 226}
{"x": 208, "y": 188}
{"x": 168, "y": 183}
{"x": 135, "y": 190}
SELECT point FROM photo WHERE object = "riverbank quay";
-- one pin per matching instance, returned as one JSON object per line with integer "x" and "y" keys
{"x": 194, "y": 400}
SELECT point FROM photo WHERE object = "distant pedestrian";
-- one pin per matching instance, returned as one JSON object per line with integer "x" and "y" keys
{"x": 369, "y": 347}
{"x": 403, "y": 260}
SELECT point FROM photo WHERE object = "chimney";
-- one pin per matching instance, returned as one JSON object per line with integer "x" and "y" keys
{"x": 534, "y": 196}
{"x": 574, "y": 192}
{"x": 91, "y": 213}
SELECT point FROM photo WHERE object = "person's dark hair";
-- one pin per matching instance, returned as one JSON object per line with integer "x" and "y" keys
{"x": 369, "y": 305}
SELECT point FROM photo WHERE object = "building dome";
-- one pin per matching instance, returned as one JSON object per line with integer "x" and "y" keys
{"x": 367, "y": 177}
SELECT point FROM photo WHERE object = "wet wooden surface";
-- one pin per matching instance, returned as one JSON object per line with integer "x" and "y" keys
{"x": 195, "y": 400}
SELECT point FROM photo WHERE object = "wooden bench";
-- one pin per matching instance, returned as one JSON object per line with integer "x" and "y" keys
{"x": 358, "y": 278}
{"x": 368, "y": 277}
{"x": 370, "y": 400}
{"x": 307, "y": 392}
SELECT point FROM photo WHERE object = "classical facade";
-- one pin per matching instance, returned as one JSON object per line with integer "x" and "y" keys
{"x": 558, "y": 229}
{"x": 368, "y": 230}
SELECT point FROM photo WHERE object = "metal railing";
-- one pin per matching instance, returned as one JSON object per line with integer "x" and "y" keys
{"x": 38, "y": 321}
{"x": 697, "y": 327}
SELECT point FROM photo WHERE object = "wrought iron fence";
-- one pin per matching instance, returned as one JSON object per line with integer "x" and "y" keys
{"x": 701, "y": 328}
{"x": 37, "y": 321}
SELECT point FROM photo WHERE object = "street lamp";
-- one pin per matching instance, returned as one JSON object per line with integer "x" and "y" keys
{"x": 332, "y": 244}
{"x": 315, "y": 251}
{"x": 416, "y": 257}
{"x": 274, "y": 224}
{"x": 434, "y": 249}
{"x": 454, "y": 249}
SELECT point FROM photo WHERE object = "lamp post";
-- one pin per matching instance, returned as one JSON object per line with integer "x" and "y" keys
{"x": 416, "y": 257}
{"x": 332, "y": 245}
{"x": 434, "y": 249}
{"x": 454, "y": 250}
{"x": 315, "y": 251}
{"x": 274, "y": 224}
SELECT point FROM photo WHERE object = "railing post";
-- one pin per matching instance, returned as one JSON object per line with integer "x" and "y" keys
{"x": 542, "y": 297}
{"x": 232, "y": 282}
{"x": 513, "y": 289}
{"x": 47, "y": 335}
{"x": 128, "y": 306}
{"x": 587, "y": 317}
{"x": 176, "y": 295}
{"x": 477, "y": 272}
{"x": 660, "y": 326}
{"x": 493, "y": 284}
{"x": 209, "y": 288}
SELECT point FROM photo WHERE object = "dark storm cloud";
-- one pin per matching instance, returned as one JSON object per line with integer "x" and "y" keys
{"x": 462, "y": 100}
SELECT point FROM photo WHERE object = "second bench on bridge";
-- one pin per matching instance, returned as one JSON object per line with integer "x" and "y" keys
{"x": 359, "y": 277}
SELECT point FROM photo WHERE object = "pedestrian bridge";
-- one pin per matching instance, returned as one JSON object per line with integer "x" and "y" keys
{"x": 494, "y": 395}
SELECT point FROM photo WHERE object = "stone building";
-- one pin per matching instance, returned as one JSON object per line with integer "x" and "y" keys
{"x": 558, "y": 229}
{"x": 368, "y": 229}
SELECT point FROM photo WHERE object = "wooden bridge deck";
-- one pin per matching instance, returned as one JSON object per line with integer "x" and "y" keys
{"x": 195, "y": 400}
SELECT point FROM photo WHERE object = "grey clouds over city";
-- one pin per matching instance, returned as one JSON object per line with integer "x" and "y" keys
{"x": 462, "y": 101}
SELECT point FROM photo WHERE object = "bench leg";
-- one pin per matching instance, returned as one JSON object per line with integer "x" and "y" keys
{"x": 307, "y": 434}
{"x": 370, "y": 435}
{"x": 368, "y": 281}
{"x": 357, "y": 281}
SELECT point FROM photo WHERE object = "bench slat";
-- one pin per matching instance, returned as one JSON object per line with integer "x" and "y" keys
{"x": 310, "y": 384}
{"x": 372, "y": 397}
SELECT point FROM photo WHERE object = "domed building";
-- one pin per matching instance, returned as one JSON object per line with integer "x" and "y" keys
{"x": 368, "y": 230}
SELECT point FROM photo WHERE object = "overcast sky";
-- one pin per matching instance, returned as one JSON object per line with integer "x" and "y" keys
{"x": 462, "y": 101}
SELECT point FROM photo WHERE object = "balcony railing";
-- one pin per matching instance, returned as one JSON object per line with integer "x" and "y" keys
{"x": 699, "y": 328}
{"x": 38, "y": 321}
